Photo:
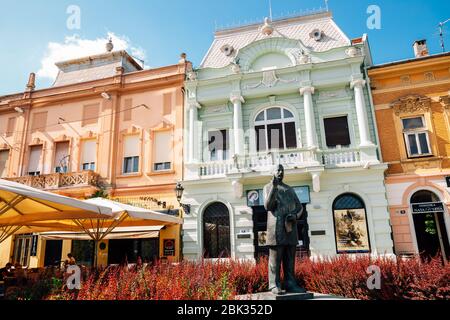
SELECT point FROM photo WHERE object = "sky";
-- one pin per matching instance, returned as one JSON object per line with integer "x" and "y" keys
{"x": 34, "y": 34}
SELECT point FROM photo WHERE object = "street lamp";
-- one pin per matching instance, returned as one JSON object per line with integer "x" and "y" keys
{"x": 179, "y": 190}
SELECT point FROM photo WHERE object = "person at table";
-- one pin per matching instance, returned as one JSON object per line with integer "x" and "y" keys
{"x": 5, "y": 272}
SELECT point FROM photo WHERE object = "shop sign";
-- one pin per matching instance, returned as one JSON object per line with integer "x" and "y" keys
{"x": 427, "y": 207}
{"x": 256, "y": 197}
{"x": 169, "y": 247}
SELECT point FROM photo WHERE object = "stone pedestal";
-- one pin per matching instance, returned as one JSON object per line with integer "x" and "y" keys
{"x": 270, "y": 296}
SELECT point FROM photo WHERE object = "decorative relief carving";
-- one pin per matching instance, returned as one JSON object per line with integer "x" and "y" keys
{"x": 411, "y": 104}
{"x": 216, "y": 109}
{"x": 269, "y": 80}
{"x": 324, "y": 95}
{"x": 445, "y": 100}
{"x": 353, "y": 52}
{"x": 406, "y": 79}
{"x": 429, "y": 76}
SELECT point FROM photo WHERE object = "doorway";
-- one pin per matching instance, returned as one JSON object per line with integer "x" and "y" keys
{"x": 260, "y": 233}
{"x": 429, "y": 225}
{"x": 53, "y": 252}
{"x": 128, "y": 250}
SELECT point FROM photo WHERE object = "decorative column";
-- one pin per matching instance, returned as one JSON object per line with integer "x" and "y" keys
{"x": 361, "y": 112}
{"x": 310, "y": 120}
{"x": 193, "y": 117}
{"x": 237, "y": 100}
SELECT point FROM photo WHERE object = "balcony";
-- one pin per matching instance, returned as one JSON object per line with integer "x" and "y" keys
{"x": 290, "y": 159}
{"x": 56, "y": 181}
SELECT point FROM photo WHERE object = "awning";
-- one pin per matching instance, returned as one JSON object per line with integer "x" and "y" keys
{"x": 118, "y": 233}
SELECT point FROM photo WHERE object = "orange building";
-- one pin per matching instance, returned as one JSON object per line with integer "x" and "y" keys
{"x": 412, "y": 103}
{"x": 106, "y": 126}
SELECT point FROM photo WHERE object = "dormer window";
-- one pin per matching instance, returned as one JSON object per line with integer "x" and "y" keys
{"x": 275, "y": 130}
{"x": 416, "y": 137}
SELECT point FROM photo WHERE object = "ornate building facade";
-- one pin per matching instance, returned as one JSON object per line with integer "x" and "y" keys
{"x": 412, "y": 109}
{"x": 290, "y": 92}
{"x": 105, "y": 126}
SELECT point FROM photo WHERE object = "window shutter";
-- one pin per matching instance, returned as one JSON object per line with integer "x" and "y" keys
{"x": 35, "y": 157}
{"x": 39, "y": 121}
{"x": 11, "y": 127}
{"x": 127, "y": 109}
{"x": 167, "y": 103}
{"x": 4, "y": 154}
{"x": 162, "y": 147}
{"x": 89, "y": 151}
{"x": 131, "y": 146}
{"x": 90, "y": 114}
{"x": 61, "y": 152}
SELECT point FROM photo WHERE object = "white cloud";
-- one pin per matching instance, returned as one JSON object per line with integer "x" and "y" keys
{"x": 76, "y": 47}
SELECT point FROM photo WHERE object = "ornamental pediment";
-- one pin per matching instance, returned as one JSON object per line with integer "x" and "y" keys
{"x": 411, "y": 104}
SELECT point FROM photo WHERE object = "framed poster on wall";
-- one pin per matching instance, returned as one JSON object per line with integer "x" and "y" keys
{"x": 352, "y": 235}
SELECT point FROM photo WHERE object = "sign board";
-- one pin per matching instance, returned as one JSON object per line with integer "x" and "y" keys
{"x": 34, "y": 243}
{"x": 255, "y": 197}
{"x": 169, "y": 247}
{"x": 427, "y": 207}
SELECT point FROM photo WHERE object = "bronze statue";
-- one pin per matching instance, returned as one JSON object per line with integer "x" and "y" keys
{"x": 284, "y": 209}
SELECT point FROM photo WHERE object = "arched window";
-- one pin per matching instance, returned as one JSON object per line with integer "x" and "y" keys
{"x": 350, "y": 224}
{"x": 424, "y": 196}
{"x": 275, "y": 129}
{"x": 216, "y": 231}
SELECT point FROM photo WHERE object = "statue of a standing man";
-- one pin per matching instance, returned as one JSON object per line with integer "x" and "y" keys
{"x": 284, "y": 208}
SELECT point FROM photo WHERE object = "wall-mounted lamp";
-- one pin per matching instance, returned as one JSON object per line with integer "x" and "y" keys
{"x": 179, "y": 190}
{"x": 106, "y": 96}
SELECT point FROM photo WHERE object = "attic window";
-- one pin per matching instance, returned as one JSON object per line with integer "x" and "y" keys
{"x": 316, "y": 34}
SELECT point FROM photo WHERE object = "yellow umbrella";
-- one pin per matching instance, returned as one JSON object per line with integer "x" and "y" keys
{"x": 22, "y": 206}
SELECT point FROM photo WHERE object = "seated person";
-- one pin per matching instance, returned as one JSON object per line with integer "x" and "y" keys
{"x": 5, "y": 272}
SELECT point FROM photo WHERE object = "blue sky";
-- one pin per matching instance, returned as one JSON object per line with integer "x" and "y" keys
{"x": 160, "y": 30}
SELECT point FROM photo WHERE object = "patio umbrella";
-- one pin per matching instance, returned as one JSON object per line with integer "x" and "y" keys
{"x": 22, "y": 206}
{"x": 122, "y": 215}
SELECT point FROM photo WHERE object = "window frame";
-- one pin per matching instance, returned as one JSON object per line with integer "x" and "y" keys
{"x": 350, "y": 136}
{"x": 282, "y": 121}
{"x": 228, "y": 150}
{"x": 5, "y": 170}
{"x": 416, "y": 132}
{"x": 133, "y": 163}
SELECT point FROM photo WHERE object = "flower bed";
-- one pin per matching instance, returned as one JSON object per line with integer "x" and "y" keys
{"x": 343, "y": 276}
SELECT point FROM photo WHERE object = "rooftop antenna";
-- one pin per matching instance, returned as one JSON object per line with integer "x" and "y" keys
{"x": 270, "y": 10}
{"x": 441, "y": 33}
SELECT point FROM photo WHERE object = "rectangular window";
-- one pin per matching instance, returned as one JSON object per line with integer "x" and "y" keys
{"x": 275, "y": 137}
{"x": 88, "y": 155}
{"x": 416, "y": 137}
{"x": 22, "y": 249}
{"x": 218, "y": 145}
{"x": 127, "y": 111}
{"x": 34, "y": 160}
{"x": 39, "y": 121}
{"x": 90, "y": 114}
{"x": 336, "y": 132}
{"x": 131, "y": 152}
{"x": 162, "y": 150}
{"x": 62, "y": 158}
{"x": 4, "y": 155}
{"x": 11, "y": 127}
{"x": 261, "y": 138}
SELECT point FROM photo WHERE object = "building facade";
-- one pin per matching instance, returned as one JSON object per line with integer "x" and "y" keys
{"x": 412, "y": 109}
{"x": 290, "y": 92}
{"x": 106, "y": 126}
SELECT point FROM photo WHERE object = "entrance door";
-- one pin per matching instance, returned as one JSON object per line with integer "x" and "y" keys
{"x": 431, "y": 233}
{"x": 260, "y": 231}
{"x": 53, "y": 252}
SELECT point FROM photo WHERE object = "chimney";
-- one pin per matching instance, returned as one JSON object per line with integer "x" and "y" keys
{"x": 420, "y": 48}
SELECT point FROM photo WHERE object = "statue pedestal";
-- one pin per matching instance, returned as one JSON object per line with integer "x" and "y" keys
{"x": 270, "y": 296}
